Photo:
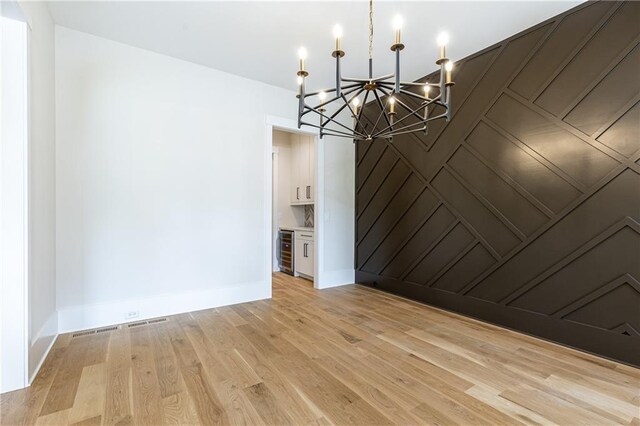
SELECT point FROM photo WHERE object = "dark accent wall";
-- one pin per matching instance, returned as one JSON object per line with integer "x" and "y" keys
{"x": 524, "y": 210}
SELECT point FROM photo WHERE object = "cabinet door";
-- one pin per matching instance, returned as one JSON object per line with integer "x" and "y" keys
{"x": 303, "y": 161}
{"x": 311, "y": 161}
{"x": 304, "y": 257}
{"x": 297, "y": 191}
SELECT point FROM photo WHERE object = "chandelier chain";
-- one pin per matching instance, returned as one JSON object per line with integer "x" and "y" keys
{"x": 370, "y": 29}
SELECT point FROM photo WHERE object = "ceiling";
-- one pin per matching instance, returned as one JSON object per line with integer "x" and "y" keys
{"x": 259, "y": 40}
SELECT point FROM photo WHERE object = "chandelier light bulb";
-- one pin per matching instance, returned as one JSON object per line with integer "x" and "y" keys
{"x": 337, "y": 31}
{"x": 355, "y": 102}
{"x": 397, "y": 22}
{"x": 322, "y": 96}
{"x": 300, "y": 80}
{"x": 443, "y": 39}
{"x": 427, "y": 89}
{"x": 302, "y": 53}
{"x": 397, "y": 25}
{"x": 392, "y": 105}
{"x": 448, "y": 67}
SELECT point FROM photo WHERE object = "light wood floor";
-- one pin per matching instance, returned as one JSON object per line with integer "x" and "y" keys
{"x": 348, "y": 355}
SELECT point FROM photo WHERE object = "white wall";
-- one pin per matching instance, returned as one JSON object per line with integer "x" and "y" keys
{"x": 159, "y": 183}
{"x": 339, "y": 207}
{"x": 42, "y": 261}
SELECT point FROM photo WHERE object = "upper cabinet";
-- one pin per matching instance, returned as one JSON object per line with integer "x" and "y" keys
{"x": 302, "y": 169}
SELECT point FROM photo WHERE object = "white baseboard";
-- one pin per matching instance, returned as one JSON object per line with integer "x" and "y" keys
{"x": 41, "y": 344}
{"x": 337, "y": 278}
{"x": 110, "y": 313}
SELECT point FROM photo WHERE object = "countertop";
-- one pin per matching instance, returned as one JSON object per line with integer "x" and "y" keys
{"x": 296, "y": 228}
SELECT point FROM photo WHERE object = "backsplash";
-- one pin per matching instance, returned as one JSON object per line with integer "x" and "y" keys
{"x": 308, "y": 216}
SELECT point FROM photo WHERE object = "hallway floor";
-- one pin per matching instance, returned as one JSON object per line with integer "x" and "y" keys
{"x": 347, "y": 355}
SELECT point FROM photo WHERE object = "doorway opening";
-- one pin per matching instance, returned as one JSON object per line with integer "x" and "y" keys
{"x": 295, "y": 194}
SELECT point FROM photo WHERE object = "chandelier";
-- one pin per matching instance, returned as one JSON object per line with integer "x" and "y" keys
{"x": 404, "y": 107}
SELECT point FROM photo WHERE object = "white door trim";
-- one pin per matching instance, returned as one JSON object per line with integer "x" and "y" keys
{"x": 14, "y": 215}
{"x": 291, "y": 126}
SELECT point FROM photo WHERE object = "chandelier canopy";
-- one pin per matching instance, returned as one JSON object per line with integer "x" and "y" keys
{"x": 398, "y": 107}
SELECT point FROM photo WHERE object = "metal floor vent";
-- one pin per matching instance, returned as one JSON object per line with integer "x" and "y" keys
{"x": 83, "y": 333}
{"x": 117, "y": 327}
{"x": 148, "y": 322}
{"x": 95, "y": 331}
{"x": 103, "y": 330}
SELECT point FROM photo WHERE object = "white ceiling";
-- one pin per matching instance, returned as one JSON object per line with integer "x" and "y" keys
{"x": 259, "y": 40}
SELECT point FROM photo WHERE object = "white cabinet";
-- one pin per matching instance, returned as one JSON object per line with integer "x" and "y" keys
{"x": 304, "y": 253}
{"x": 302, "y": 169}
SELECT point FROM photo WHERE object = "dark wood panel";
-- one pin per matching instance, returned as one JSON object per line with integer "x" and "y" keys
{"x": 481, "y": 218}
{"x": 565, "y": 150}
{"x": 418, "y": 213}
{"x": 601, "y": 105}
{"x": 605, "y": 208}
{"x": 389, "y": 215}
{"x": 476, "y": 261}
{"x": 533, "y": 175}
{"x": 624, "y": 135}
{"x": 429, "y": 233}
{"x": 585, "y": 274}
{"x": 598, "y": 53}
{"x": 570, "y": 35}
{"x": 522, "y": 213}
{"x": 434, "y": 260}
{"x": 524, "y": 210}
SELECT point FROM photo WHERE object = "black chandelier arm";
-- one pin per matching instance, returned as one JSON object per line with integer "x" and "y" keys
{"x": 413, "y": 112}
{"x": 348, "y": 86}
{"x": 417, "y": 84}
{"x": 344, "y": 134}
{"x": 383, "y": 110}
{"x": 390, "y": 126}
{"x": 435, "y": 101}
{"x": 350, "y": 89}
{"x": 403, "y": 129}
{"x": 332, "y": 120}
{"x": 342, "y": 97}
{"x": 355, "y": 114}
{"x": 368, "y": 80}
{"x": 346, "y": 104}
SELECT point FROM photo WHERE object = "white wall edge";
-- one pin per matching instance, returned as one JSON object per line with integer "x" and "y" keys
{"x": 44, "y": 338}
{"x": 337, "y": 278}
{"x": 111, "y": 313}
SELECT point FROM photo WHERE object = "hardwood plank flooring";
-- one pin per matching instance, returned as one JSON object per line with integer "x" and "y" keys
{"x": 347, "y": 355}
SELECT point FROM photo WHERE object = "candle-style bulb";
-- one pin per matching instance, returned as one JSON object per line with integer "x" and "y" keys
{"x": 337, "y": 31}
{"x": 300, "y": 80}
{"x": 355, "y": 102}
{"x": 392, "y": 105}
{"x": 397, "y": 25}
{"x": 397, "y": 22}
{"x": 448, "y": 67}
{"x": 302, "y": 55}
{"x": 322, "y": 96}
{"x": 427, "y": 89}
{"x": 337, "y": 34}
{"x": 443, "y": 40}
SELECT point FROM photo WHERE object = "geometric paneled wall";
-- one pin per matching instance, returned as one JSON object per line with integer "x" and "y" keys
{"x": 524, "y": 210}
